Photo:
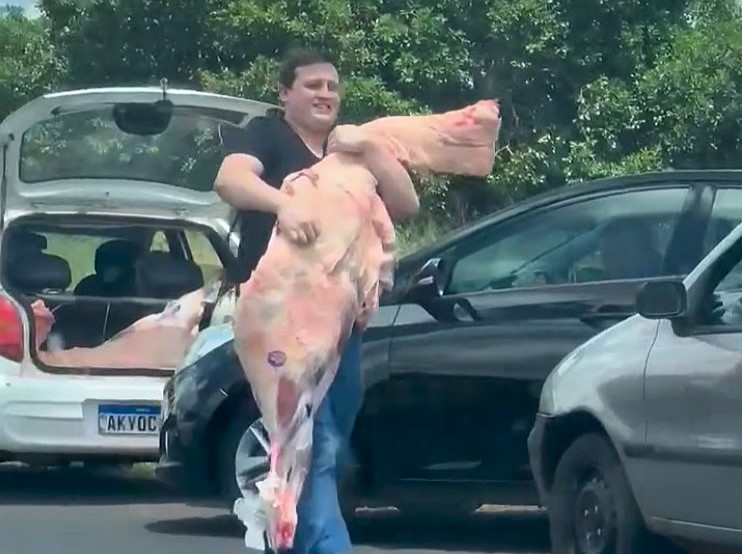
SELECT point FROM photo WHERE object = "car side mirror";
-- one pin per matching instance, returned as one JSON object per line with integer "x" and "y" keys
{"x": 662, "y": 300}
{"x": 427, "y": 282}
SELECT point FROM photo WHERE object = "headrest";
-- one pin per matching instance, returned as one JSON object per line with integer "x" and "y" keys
{"x": 163, "y": 276}
{"x": 20, "y": 240}
{"x": 38, "y": 271}
{"x": 28, "y": 239}
{"x": 115, "y": 253}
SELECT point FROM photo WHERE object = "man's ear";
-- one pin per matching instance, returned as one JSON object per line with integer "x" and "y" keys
{"x": 282, "y": 91}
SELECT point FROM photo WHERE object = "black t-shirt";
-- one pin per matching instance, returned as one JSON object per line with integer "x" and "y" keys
{"x": 282, "y": 152}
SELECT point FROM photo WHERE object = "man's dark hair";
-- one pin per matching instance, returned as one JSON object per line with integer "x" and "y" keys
{"x": 296, "y": 58}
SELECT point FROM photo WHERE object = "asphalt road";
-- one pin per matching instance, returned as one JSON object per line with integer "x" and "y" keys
{"x": 76, "y": 512}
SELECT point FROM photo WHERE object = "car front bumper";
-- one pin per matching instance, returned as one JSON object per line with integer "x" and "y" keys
{"x": 176, "y": 467}
{"x": 182, "y": 466}
{"x": 189, "y": 442}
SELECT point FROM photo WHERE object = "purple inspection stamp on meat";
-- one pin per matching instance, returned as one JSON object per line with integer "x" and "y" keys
{"x": 276, "y": 358}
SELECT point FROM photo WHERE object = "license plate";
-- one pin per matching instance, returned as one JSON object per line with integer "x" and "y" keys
{"x": 123, "y": 419}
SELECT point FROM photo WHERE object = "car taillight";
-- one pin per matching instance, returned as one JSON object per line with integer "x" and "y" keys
{"x": 11, "y": 331}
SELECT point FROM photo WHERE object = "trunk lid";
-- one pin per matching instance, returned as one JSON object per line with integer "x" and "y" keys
{"x": 120, "y": 150}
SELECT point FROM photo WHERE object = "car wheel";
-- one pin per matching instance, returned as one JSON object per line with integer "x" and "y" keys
{"x": 251, "y": 458}
{"x": 232, "y": 438}
{"x": 592, "y": 509}
{"x": 246, "y": 460}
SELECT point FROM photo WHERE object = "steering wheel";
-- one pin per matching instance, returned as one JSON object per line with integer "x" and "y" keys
{"x": 534, "y": 277}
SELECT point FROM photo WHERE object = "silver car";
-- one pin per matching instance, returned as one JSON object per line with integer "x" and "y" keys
{"x": 107, "y": 212}
{"x": 637, "y": 446}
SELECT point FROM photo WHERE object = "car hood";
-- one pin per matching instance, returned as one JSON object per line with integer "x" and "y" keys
{"x": 125, "y": 150}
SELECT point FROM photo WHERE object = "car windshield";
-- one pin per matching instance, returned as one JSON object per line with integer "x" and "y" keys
{"x": 89, "y": 144}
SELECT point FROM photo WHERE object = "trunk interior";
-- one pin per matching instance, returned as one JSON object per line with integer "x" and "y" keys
{"x": 98, "y": 277}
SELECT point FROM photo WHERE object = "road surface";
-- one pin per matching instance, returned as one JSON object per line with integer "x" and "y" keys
{"x": 74, "y": 512}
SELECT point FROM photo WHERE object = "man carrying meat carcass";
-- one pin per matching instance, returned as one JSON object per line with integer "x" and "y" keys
{"x": 257, "y": 161}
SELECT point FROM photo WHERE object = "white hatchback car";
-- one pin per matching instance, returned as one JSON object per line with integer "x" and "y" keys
{"x": 107, "y": 211}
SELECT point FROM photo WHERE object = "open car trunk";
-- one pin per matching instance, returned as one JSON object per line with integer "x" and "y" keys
{"x": 118, "y": 152}
{"x": 99, "y": 276}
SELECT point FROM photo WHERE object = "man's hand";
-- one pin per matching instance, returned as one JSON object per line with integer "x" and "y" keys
{"x": 395, "y": 185}
{"x": 349, "y": 139}
{"x": 297, "y": 222}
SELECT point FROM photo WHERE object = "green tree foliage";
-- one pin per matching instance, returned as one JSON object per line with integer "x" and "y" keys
{"x": 29, "y": 64}
{"x": 588, "y": 88}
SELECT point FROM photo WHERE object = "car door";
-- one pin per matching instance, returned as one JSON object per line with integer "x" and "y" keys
{"x": 466, "y": 367}
{"x": 690, "y": 469}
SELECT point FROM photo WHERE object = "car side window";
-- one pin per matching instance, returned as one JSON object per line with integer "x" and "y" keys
{"x": 721, "y": 305}
{"x": 620, "y": 236}
{"x": 159, "y": 243}
{"x": 204, "y": 254}
{"x": 726, "y": 214}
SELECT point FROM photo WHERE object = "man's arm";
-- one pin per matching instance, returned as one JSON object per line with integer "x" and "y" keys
{"x": 247, "y": 152}
{"x": 395, "y": 185}
{"x": 239, "y": 184}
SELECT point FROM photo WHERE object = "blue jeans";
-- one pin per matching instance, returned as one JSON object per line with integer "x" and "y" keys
{"x": 321, "y": 528}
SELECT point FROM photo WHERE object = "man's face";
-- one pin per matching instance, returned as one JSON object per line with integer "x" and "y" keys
{"x": 314, "y": 98}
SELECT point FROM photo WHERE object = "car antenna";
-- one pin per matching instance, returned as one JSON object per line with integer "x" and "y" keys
{"x": 163, "y": 85}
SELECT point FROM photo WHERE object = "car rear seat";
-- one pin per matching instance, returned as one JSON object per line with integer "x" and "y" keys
{"x": 46, "y": 276}
{"x": 159, "y": 276}
{"x": 114, "y": 254}
{"x": 34, "y": 272}
{"x": 88, "y": 321}
{"x": 19, "y": 241}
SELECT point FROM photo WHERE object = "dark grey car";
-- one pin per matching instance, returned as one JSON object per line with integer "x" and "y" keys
{"x": 639, "y": 431}
{"x": 454, "y": 360}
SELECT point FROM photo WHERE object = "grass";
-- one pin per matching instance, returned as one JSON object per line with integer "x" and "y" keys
{"x": 144, "y": 470}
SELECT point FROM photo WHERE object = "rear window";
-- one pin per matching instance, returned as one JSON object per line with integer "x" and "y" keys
{"x": 89, "y": 145}
{"x": 79, "y": 250}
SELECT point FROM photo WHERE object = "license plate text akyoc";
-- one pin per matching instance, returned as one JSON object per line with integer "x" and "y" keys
{"x": 120, "y": 419}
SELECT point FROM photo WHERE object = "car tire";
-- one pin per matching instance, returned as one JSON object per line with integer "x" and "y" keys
{"x": 591, "y": 507}
{"x": 229, "y": 490}
{"x": 240, "y": 437}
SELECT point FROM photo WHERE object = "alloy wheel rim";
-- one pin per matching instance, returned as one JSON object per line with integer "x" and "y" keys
{"x": 251, "y": 459}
